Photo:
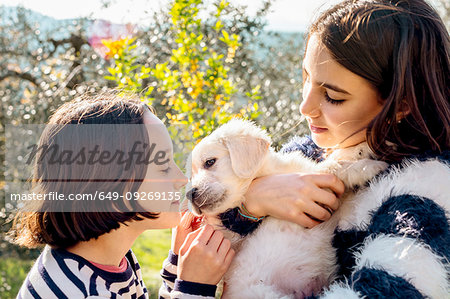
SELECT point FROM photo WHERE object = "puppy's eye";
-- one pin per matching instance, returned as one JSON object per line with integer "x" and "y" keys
{"x": 209, "y": 163}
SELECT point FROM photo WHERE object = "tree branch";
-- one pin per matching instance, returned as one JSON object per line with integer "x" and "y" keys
{"x": 24, "y": 76}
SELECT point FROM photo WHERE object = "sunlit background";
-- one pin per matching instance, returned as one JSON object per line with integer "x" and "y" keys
{"x": 52, "y": 51}
{"x": 285, "y": 15}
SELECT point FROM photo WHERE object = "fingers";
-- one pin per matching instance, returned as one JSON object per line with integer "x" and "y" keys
{"x": 205, "y": 234}
{"x": 327, "y": 199}
{"x": 189, "y": 239}
{"x": 215, "y": 240}
{"x": 328, "y": 181}
{"x": 186, "y": 220}
{"x": 304, "y": 220}
{"x": 207, "y": 258}
{"x": 224, "y": 247}
{"x": 317, "y": 212}
{"x": 228, "y": 258}
{"x": 226, "y": 253}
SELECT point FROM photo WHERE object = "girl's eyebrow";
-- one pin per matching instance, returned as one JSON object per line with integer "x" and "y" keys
{"x": 333, "y": 87}
{"x": 328, "y": 85}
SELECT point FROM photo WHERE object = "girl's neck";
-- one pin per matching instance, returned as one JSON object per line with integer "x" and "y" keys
{"x": 327, "y": 152}
{"x": 108, "y": 249}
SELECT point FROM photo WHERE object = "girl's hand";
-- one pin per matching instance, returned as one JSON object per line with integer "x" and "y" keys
{"x": 205, "y": 256}
{"x": 188, "y": 223}
{"x": 295, "y": 197}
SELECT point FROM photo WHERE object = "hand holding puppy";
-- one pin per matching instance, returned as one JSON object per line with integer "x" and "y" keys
{"x": 295, "y": 197}
{"x": 188, "y": 223}
{"x": 205, "y": 256}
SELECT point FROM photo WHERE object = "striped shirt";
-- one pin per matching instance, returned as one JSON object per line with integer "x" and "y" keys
{"x": 173, "y": 287}
{"x": 58, "y": 273}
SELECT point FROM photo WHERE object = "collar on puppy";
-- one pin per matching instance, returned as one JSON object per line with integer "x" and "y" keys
{"x": 233, "y": 221}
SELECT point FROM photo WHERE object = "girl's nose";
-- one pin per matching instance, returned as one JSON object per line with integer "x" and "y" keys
{"x": 180, "y": 181}
{"x": 310, "y": 106}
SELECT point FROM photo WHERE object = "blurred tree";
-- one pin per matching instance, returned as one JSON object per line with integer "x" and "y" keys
{"x": 193, "y": 86}
{"x": 40, "y": 68}
{"x": 443, "y": 7}
{"x": 44, "y": 62}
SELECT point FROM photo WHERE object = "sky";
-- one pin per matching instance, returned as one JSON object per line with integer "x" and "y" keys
{"x": 285, "y": 15}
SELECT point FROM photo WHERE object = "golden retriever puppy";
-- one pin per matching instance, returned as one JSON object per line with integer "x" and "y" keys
{"x": 279, "y": 259}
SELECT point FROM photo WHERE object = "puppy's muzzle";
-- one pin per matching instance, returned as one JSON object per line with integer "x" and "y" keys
{"x": 204, "y": 201}
{"x": 193, "y": 196}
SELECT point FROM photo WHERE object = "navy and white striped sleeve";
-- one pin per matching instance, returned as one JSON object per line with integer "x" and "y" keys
{"x": 172, "y": 287}
{"x": 168, "y": 275}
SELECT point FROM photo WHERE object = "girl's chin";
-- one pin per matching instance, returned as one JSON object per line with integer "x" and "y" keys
{"x": 165, "y": 220}
{"x": 173, "y": 218}
{"x": 322, "y": 141}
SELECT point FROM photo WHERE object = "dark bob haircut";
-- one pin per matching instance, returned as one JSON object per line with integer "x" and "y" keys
{"x": 65, "y": 229}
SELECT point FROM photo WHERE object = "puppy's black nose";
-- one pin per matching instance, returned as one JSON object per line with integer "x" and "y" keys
{"x": 192, "y": 194}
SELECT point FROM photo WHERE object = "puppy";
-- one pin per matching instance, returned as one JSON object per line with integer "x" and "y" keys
{"x": 279, "y": 259}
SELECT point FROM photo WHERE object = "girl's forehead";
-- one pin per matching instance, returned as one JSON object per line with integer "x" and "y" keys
{"x": 151, "y": 119}
{"x": 157, "y": 131}
{"x": 324, "y": 69}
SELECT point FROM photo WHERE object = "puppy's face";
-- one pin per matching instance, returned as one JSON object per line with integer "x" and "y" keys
{"x": 215, "y": 186}
{"x": 223, "y": 166}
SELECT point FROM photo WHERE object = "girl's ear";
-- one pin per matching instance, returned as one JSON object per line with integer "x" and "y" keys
{"x": 247, "y": 154}
{"x": 403, "y": 112}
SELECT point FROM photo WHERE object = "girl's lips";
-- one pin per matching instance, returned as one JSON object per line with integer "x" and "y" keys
{"x": 317, "y": 130}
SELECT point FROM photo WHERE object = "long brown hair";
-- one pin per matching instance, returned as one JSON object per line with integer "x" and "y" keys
{"x": 66, "y": 228}
{"x": 402, "y": 48}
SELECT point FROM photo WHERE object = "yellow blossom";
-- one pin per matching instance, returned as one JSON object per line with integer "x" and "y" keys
{"x": 116, "y": 46}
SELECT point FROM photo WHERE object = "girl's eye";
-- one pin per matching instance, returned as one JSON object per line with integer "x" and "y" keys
{"x": 333, "y": 101}
{"x": 209, "y": 163}
{"x": 165, "y": 170}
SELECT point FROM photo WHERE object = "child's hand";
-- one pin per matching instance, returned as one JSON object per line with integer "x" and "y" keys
{"x": 300, "y": 198}
{"x": 205, "y": 256}
{"x": 188, "y": 223}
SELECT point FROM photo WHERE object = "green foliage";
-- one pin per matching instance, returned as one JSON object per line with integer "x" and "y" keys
{"x": 194, "y": 82}
{"x": 12, "y": 273}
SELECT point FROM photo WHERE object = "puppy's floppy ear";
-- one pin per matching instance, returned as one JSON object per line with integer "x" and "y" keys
{"x": 247, "y": 154}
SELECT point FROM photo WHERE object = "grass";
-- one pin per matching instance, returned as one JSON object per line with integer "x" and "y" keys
{"x": 13, "y": 272}
{"x": 151, "y": 248}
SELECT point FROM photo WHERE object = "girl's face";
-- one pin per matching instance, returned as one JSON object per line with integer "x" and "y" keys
{"x": 337, "y": 103}
{"x": 162, "y": 182}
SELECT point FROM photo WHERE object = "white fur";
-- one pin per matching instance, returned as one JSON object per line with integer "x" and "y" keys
{"x": 406, "y": 258}
{"x": 341, "y": 291}
{"x": 279, "y": 259}
{"x": 284, "y": 257}
{"x": 416, "y": 179}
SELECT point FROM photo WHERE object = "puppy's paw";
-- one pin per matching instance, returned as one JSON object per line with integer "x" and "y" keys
{"x": 357, "y": 173}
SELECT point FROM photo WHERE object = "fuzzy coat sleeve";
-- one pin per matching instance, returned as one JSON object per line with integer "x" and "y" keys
{"x": 396, "y": 243}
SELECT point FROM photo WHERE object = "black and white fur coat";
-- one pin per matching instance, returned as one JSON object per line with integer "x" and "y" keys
{"x": 395, "y": 240}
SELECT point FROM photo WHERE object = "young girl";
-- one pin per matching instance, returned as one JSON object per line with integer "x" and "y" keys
{"x": 376, "y": 71}
{"x": 87, "y": 252}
